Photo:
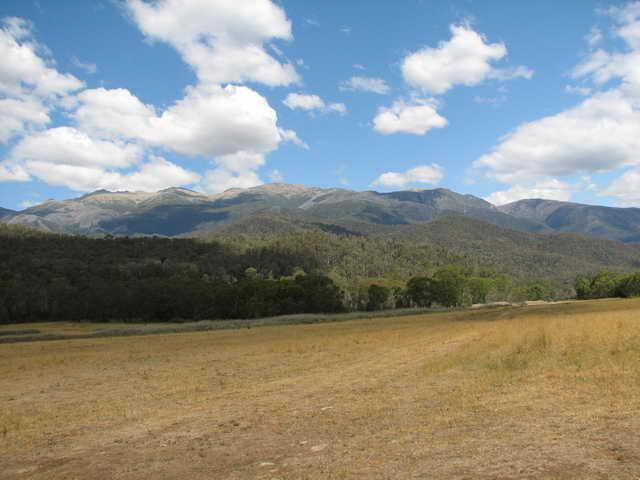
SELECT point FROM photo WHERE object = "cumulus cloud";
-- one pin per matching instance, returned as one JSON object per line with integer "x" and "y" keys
{"x": 153, "y": 175}
{"x": 232, "y": 126}
{"x": 67, "y": 145}
{"x": 365, "y": 84}
{"x": 550, "y": 189}
{"x": 465, "y": 59}
{"x": 23, "y": 70}
{"x": 65, "y": 156}
{"x": 415, "y": 118}
{"x": 29, "y": 85}
{"x": 424, "y": 174}
{"x": 303, "y": 101}
{"x": 208, "y": 121}
{"x": 220, "y": 179}
{"x": 222, "y": 40}
{"x": 626, "y": 188}
{"x": 13, "y": 172}
{"x": 600, "y": 134}
{"x": 19, "y": 115}
{"x": 291, "y": 136}
{"x": 311, "y": 103}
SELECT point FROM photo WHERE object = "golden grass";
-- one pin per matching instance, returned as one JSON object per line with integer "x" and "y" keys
{"x": 549, "y": 391}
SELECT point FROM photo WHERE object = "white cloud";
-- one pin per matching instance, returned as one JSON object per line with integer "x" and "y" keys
{"x": 65, "y": 156}
{"x": 27, "y": 204}
{"x": 223, "y": 40}
{"x": 425, "y": 174}
{"x": 291, "y": 136}
{"x": 303, "y": 101}
{"x": 29, "y": 86}
{"x": 232, "y": 126}
{"x": 86, "y": 66}
{"x": 153, "y": 175}
{"x": 13, "y": 172}
{"x": 67, "y": 145}
{"x": 465, "y": 59}
{"x": 208, "y": 121}
{"x": 18, "y": 115}
{"x": 220, "y": 179}
{"x": 594, "y": 37}
{"x": 22, "y": 70}
{"x": 550, "y": 189}
{"x": 312, "y": 103}
{"x": 626, "y": 188}
{"x": 339, "y": 108}
{"x": 275, "y": 176}
{"x": 415, "y": 118}
{"x": 365, "y": 84}
{"x": 510, "y": 73}
{"x": 602, "y": 133}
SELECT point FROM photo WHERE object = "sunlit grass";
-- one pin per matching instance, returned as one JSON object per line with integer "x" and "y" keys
{"x": 475, "y": 380}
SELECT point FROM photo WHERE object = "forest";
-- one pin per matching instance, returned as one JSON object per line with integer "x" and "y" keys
{"x": 50, "y": 277}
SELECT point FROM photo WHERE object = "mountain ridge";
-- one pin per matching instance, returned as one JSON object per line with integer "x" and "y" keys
{"x": 178, "y": 211}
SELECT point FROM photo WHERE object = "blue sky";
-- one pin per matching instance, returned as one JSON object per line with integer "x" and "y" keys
{"x": 501, "y": 99}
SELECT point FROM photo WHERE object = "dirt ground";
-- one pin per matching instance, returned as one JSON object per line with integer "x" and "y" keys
{"x": 549, "y": 392}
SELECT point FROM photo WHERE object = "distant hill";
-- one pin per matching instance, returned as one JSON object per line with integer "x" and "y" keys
{"x": 179, "y": 211}
{"x": 552, "y": 255}
{"x": 183, "y": 212}
{"x": 5, "y": 212}
{"x": 622, "y": 224}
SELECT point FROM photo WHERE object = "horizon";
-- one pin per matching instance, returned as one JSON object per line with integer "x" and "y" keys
{"x": 220, "y": 194}
{"x": 137, "y": 96}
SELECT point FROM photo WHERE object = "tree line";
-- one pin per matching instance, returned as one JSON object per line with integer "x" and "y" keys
{"x": 46, "y": 277}
{"x": 606, "y": 284}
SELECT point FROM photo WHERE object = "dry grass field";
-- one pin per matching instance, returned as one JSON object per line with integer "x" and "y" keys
{"x": 549, "y": 391}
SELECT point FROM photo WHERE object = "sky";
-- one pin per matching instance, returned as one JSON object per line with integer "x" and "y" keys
{"x": 500, "y": 99}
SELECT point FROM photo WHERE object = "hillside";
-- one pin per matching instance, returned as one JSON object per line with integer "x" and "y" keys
{"x": 183, "y": 212}
{"x": 622, "y": 224}
{"x": 5, "y": 212}
{"x": 552, "y": 256}
{"x": 178, "y": 211}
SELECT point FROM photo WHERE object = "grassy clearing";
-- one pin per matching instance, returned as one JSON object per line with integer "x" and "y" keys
{"x": 550, "y": 391}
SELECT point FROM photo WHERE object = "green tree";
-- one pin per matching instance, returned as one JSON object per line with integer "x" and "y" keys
{"x": 378, "y": 296}
{"x": 421, "y": 291}
{"x": 629, "y": 286}
{"x": 449, "y": 286}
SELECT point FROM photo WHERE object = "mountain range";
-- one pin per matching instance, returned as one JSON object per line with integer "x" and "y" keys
{"x": 183, "y": 212}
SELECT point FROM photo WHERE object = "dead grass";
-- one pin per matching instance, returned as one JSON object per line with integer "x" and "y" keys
{"x": 550, "y": 391}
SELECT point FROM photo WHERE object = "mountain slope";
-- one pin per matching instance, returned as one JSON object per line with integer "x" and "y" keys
{"x": 622, "y": 224}
{"x": 182, "y": 212}
{"x": 178, "y": 211}
{"x": 5, "y": 212}
{"x": 529, "y": 255}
